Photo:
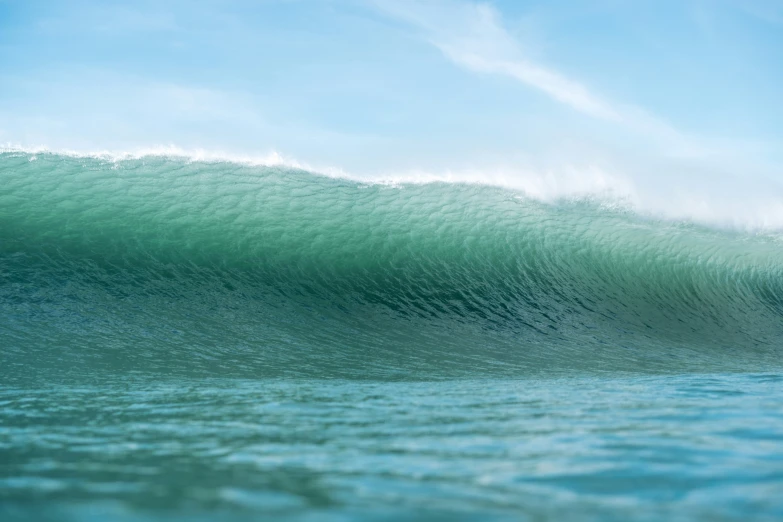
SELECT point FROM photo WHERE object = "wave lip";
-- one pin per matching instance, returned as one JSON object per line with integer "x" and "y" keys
{"x": 165, "y": 263}
{"x": 746, "y": 204}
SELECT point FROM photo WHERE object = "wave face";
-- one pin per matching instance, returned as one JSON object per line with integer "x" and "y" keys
{"x": 162, "y": 264}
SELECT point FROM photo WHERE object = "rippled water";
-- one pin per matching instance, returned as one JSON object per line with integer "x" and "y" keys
{"x": 195, "y": 340}
{"x": 706, "y": 447}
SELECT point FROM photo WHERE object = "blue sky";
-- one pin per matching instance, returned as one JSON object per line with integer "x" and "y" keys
{"x": 690, "y": 86}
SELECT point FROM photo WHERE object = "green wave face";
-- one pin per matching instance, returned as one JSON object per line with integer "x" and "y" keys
{"x": 166, "y": 265}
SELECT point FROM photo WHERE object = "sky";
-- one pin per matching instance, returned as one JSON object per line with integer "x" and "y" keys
{"x": 653, "y": 89}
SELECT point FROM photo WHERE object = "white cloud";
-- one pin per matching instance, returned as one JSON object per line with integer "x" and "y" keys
{"x": 472, "y": 35}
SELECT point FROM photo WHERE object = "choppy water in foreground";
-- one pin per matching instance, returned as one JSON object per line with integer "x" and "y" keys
{"x": 698, "y": 447}
{"x": 213, "y": 341}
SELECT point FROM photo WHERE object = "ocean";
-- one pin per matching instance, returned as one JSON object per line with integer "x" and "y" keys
{"x": 190, "y": 339}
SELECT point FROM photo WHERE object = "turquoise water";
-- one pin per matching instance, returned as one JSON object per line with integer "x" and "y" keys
{"x": 211, "y": 340}
{"x": 694, "y": 447}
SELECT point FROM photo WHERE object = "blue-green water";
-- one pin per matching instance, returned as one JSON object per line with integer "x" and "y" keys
{"x": 619, "y": 448}
{"x": 193, "y": 340}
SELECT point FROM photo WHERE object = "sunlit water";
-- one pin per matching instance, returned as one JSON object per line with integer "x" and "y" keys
{"x": 695, "y": 447}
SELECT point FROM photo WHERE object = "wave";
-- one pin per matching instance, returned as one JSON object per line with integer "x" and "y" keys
{"x": 166, "y": 263}
{"x": 747, "y": 203}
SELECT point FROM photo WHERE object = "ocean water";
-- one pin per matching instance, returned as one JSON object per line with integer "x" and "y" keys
{"x": 204, "y": 340}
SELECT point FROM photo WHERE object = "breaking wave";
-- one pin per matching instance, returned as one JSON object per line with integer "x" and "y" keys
{"x": 163, "y": 263}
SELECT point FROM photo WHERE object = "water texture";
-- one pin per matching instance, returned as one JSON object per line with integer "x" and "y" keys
{"x": 198, "y": 340}
{"x": 699, "y": 447}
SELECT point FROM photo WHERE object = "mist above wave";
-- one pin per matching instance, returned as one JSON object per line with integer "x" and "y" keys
{"x": 752, "y": 204}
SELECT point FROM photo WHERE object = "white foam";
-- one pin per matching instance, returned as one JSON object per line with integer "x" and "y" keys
{"x": 166, "y": 151}
{"x": 732, "y": 203}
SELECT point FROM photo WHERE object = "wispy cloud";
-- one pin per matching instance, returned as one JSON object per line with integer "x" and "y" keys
{"x": 472, "y": 35}
{"x": 555, "y": 85}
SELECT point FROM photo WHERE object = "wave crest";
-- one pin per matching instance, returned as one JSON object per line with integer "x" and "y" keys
{"x": 160, "y": 262}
